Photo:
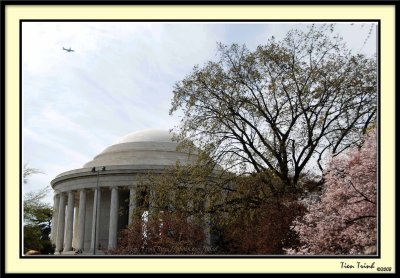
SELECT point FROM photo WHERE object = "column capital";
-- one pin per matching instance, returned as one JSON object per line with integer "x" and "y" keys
{"x": 65, "y": 193}
{"x": 113, "y": 187}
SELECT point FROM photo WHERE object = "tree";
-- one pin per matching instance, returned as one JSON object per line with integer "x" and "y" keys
{"x": 190, "y": 203}
{"x": 28, "y": 171}
{"x": 264, "y": 229}
{"x": 281, "y": 106}
{"x": 37, "y": 222}
{"x": 37, "y": 217}
{"x": 168, "y": 233}
{"x": 170, "y": 213}
{"x": 344, "y": 220}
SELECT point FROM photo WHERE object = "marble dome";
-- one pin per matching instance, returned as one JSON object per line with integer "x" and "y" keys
{"x": 147, "y": 135}
{"x": 151, "y": 147}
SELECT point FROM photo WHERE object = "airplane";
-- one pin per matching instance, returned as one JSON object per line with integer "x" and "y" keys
{"x": 68, "y": 50}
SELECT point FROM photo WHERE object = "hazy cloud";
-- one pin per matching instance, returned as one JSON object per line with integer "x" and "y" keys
{"x": 118, "y": 80}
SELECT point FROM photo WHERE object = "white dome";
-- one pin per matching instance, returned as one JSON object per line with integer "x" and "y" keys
{"x": 152, "y": 147}
{"x": 147, "y": 135}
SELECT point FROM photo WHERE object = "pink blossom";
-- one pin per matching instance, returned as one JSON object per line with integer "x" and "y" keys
{"x": 343, "y": 221}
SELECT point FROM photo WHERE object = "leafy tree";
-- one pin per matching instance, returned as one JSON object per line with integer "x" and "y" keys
{"x": 37, "y": 217}
{"x": 344, "y": 220}
{"x": 281, "y": 106}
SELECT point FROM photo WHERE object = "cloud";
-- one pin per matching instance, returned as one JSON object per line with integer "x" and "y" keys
{"x": 58, "y": 149}
{"x": 118, "y": 80}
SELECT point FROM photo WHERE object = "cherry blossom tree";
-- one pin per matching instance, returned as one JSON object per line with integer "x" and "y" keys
{"x": 344, "y": 220}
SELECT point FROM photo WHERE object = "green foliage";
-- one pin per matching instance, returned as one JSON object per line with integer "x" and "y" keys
{"x": 37, "y": 218}
{"x": 35, "y": 210}
{"x": 36, "y": 238}
{"x": 32, "y": 234}
{"x": 37, "y": 223}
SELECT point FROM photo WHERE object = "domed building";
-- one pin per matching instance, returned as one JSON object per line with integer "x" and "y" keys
{"x": 93, "y": 203}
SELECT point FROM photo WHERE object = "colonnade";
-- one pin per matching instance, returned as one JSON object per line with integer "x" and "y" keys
{"x": 70, "y": 218}
{"x": 65, "y": 232}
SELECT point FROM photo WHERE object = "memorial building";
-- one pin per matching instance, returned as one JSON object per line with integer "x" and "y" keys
{"x": 93, "y": 203}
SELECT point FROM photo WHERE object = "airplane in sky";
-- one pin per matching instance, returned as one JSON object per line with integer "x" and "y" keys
{"x": 68, "y": 50}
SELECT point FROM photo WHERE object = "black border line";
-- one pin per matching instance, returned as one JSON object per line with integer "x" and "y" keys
{"x": 21, "y": 200}
{"x": 2, "y": 98}
{"x": 2, "y": 139}
{"x": 378, "y": 138}
{"x": 201, "y": 2}
{"x": 200, "y": 20}
{"x": 378, "y": 21}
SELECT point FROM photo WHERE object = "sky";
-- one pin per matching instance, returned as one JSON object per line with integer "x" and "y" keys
{"x": 119, "y": 79}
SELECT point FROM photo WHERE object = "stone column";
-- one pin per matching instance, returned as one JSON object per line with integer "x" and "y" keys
{"x": 81, "y": 220}
{"x": 70, "y": 222}
{"x": 75, "y": 234}
{"x": 113, "y": 229}
{"x": 55, "y": 218}
{"x": 132, "y": 204}
{"x": 95, "y": 219}
{"x": 61, "y": 224}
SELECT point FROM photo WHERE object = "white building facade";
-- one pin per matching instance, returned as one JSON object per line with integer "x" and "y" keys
{"x": 93, "y": 203}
